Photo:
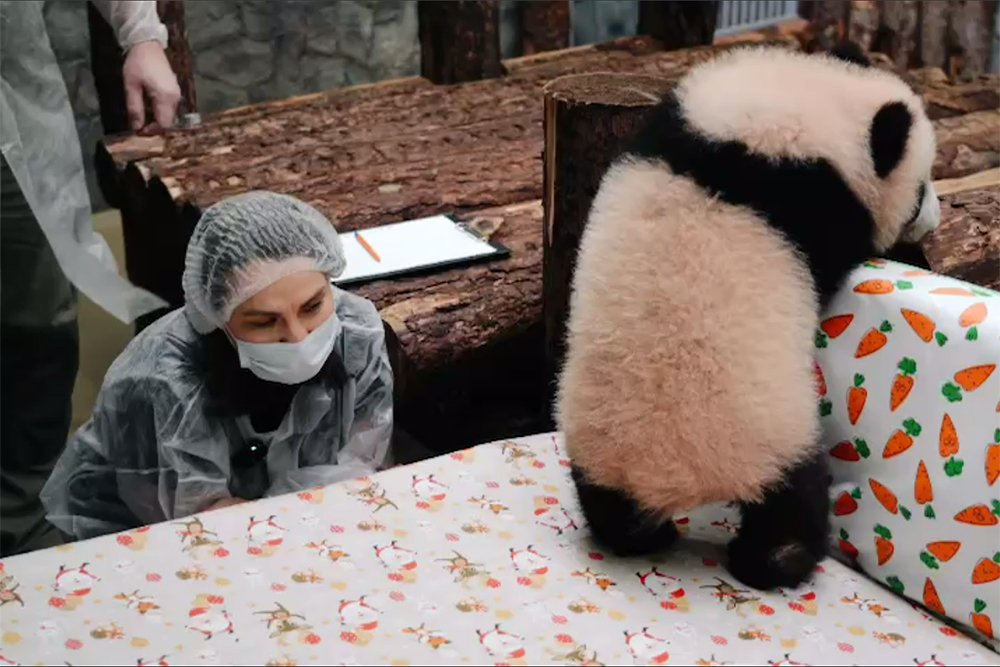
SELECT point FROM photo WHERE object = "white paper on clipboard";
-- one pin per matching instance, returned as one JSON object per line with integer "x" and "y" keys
{"x": 411, "y": 246}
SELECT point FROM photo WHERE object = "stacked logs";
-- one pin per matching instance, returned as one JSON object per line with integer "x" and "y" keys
{"x": 383, "y": 152}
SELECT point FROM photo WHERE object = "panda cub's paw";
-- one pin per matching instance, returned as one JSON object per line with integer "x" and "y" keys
{"x": 618, "y": 523}
{"x": 766, "y": 566}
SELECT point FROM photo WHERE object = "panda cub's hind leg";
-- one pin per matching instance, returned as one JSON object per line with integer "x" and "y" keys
{"x": 784, "y": 537}
{"x": 619, "y": 523}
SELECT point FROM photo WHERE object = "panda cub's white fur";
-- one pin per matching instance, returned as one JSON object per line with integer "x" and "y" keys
{"x": 689, "y": 374}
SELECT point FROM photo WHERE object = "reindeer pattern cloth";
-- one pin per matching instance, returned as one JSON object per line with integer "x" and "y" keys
{"x": 478, "y": 557}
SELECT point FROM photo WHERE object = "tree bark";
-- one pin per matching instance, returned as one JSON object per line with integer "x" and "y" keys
{"x": 106, "y": 60}
{"x": 955, "y": 35}
{"x": 586, "y": 117}
{"x": 459, "y": 40}
{"x": 545, "y": 25}
{"x": 827, "y": 23}
{"x": 967, "y": 144}
{"x": 944, "y": 99}
{"x": 179, "y": 52}
{"x": 967, "y": 243}
{"x": 678, "y": 25}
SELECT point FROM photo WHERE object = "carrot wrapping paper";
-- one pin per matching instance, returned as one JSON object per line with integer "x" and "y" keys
{"x": 910, "y": 404}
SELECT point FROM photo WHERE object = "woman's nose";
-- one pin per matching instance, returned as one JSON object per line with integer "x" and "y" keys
{"x": 296, "y": 331}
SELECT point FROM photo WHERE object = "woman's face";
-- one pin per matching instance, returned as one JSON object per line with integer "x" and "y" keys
{"x": 286, "y": 312}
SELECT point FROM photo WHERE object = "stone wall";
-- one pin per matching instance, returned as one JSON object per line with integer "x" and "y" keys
{"x": 249, "y": 51}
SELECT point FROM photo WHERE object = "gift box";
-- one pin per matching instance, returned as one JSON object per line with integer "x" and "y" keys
{"x": 910, "y": 405}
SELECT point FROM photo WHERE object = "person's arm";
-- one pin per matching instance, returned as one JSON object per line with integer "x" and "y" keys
{"x": 82, "y": 497}
{"x": 134, "y": 21}
{"x": 371, "y": 432}
{"x": 143, "y": 37}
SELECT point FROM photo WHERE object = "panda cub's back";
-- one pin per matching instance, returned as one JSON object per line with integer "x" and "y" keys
{"x": 688, "y": 377}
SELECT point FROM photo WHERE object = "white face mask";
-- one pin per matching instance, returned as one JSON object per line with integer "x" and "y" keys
{"x": 290, "y": 363}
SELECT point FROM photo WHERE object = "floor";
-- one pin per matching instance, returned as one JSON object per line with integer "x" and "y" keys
{"x": 102, "y": 337}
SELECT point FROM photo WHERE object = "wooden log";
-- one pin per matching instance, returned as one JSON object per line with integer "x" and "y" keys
{"x": 827, "y": 23}
{"x": 179, "y": 55}
{"x": 678, "y": 25}
{"x": 967, "y": 244}
{"x": 544, "y": 25}
{"x": 943, "y": 99}
{"x": 955, "y": 35}
{"x": 459, "y": 40}
{"x": 967, "y": 144}
{"x": 382, "y": 154}
{"x": 106, "y": 60}
{"x": 586, "y": 118}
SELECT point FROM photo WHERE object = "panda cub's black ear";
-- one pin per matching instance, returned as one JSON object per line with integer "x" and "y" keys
{"x": 851, "y": 52}
{"x": 887, "y": 138}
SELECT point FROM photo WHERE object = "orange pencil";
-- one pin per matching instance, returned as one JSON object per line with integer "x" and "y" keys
{"x": 368, "y": 248}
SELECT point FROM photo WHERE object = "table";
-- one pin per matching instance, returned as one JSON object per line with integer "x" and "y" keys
{"x": 479, "y": 557}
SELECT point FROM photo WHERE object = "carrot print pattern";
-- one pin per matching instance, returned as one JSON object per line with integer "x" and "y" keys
{"x": 884, "y": 548}
{"x": 903, "y": 384}
{"x": 922, "y": 325}
{"x": 972, "y": 316}
{"x": 931, "y": 598}
{"x": 944, "y": 551}
{"x": 901, "y": 440}
{"x": 836, "y": 325}
{"x": 980, "y": 621}
{"x": 875, "y": 287}
{"x": 917, "y": 373}
{"x": 993, "y": 459}
{"x": 986, "y": 570}
{"x": 857, "y": 396}
{"x": 923, "y": 491}
{"x": 888, "y": 499}
{"x": 980, "y": 515}
{"x": 952, "y": 291}
{"x": 873, "y": 341}
{"x": 973, "y": 378}
{"x": 969, "y": 379}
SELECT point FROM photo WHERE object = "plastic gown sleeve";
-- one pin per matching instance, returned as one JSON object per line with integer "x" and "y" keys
{"x": 368, "y": 439}
{"x": 133, "y": 22}
{"x": 120, "y": 470}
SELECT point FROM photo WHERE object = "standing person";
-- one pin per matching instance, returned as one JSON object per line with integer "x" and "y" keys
{"x": 48, "y": 248}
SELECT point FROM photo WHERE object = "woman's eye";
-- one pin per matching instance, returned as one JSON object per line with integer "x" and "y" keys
{"x": 262, "y": 324}
{"x": 313, "y": 307}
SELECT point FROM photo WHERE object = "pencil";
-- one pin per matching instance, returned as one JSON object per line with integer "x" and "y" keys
{"x": 368, "y": 248}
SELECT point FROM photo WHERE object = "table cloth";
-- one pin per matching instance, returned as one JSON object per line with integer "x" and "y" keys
{"x": 478, "y": 557}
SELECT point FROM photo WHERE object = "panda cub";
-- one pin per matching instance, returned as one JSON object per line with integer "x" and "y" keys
{"x": 712, "y": 245}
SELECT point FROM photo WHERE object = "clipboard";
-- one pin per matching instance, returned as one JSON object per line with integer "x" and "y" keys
{"x": 414, "y": 247}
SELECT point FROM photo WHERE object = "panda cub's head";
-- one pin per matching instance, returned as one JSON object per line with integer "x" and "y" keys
{"x": 767, "y": 127}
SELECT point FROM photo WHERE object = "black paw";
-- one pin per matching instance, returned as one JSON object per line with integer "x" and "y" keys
{"x": 765, "y": 566}
{"x": 636, "y": 539}
{"x": 619, "y": 524}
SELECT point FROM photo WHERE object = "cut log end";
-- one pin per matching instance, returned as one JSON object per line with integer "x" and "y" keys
{"x": 587, "y": 119}
{"x": 611, "y": 89}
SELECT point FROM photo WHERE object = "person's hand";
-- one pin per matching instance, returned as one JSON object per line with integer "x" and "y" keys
{"x": 224, "y": 502}
{"x": 147, "y": 71}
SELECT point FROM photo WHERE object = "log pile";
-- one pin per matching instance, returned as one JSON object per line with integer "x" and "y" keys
{"x": 377, "y": 153}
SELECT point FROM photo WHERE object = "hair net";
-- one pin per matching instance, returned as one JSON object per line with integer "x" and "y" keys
{"x": 149, "y": 452}
{"x": 245, "y": 243}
